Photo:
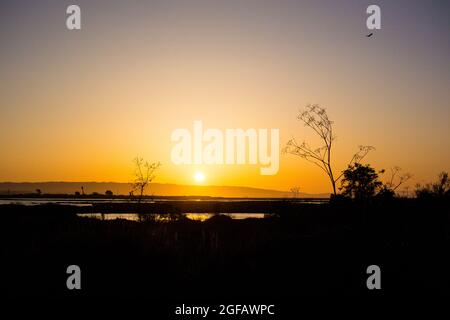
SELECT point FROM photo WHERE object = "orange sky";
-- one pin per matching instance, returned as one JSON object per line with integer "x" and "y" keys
{"x": 80, "y": 105}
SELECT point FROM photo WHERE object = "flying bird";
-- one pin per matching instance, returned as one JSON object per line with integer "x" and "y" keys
{"x": 369, "y": 35}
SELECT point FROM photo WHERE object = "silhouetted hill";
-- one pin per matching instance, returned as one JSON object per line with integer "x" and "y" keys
{"x": 163, "y": 189}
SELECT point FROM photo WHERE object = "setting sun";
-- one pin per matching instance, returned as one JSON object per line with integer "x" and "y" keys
{"x": 199, "y": 176}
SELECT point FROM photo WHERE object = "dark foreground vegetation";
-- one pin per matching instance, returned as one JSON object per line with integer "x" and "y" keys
{"x": 317, "y": 249}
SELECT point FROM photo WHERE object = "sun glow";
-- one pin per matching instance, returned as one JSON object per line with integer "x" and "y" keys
{"x": 199, "y": 176}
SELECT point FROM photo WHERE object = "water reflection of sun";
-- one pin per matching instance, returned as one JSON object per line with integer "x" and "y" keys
{"x": 199, "y": 216}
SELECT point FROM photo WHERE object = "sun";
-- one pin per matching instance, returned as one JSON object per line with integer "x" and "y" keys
{"x": 199, "y": 176}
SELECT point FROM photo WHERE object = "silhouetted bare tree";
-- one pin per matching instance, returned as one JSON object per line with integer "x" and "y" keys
{"x": 397, "y": 178}
{"x": 316, "y": 118}
{"x": 144, "y": 174}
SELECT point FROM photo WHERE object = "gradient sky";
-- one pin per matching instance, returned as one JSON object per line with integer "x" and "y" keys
{"x": 80, "y": 105}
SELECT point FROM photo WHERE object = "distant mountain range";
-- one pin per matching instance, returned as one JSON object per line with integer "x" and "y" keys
{"x": 157, "y": 189}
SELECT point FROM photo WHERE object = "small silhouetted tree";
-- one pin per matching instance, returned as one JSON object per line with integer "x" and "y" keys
{"x": 317, "y": 119}
{"x": 360, "y": 182}
{"x": 109, "y": 193}
{"x": 295, "y": 191}
{"x": 39, "y": 192}
{"x": 144, "y": 174}
{"x": 440, "y": 188}
{"x": 77, "y": 193}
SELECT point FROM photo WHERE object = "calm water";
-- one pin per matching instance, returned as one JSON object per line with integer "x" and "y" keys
{"x": 35, "y": 201}
{"x": 90, "y": 201}
{"x": 139, "y": 217}
{"x": 163, "y": 217}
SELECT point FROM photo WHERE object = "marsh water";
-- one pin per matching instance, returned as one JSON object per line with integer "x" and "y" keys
{"x": 127, "y": 216}
{"x": 90, "y": 201}
{"x": 165, "y": 217}
{"x": 89, "y": 206}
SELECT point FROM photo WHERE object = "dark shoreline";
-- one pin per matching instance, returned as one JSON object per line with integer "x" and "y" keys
{"x": 307, "y": 250}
